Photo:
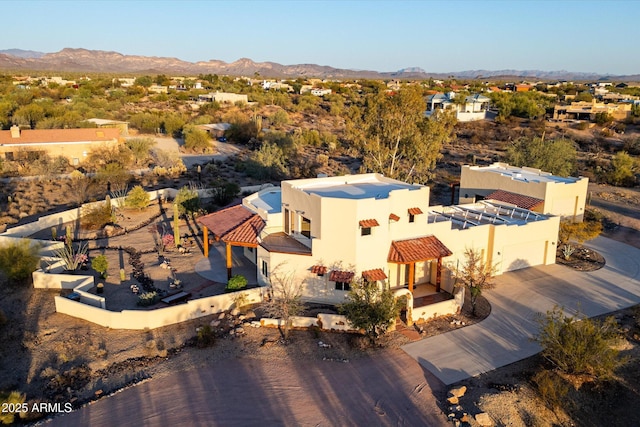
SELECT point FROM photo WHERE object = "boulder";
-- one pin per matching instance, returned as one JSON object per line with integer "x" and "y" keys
{"x": 235, "y": 312}
{"x": 221, "y": 316}
{"x": 484, "y": 420}
{"x": 215, "y": 323}
{"x": 458, "y": 391}
{"x": 453, "y": 400}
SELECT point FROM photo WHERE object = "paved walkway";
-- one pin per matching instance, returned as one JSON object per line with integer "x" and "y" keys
{"x": 214, "y": 267}
{"x": 505, "y": 336}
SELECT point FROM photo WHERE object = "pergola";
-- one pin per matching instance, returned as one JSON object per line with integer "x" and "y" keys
{"x": 235, "y": 226}
{"x": 419, "y": 249}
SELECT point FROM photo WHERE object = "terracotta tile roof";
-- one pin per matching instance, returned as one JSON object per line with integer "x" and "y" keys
{"x": 415, "y": 211}
{"x": 394, "y": 217}
{"x": 418, "y": 249}
{"x": 369, "y": 223}
{"x": 235, "y": 224}
{"x": 525, "y": 202}
{"x": 52, "y": 136}
{"x": 319, "y": 269}
{"x": 341, "y": 276}
{"x": 247, "y": 232}
{"x": 373, "y": 275}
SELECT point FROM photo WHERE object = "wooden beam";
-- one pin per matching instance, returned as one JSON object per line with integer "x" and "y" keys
{"x": 205, "y": 240}
{"x": 439, "y": 275}
{"x": 229, "y": 261}
{"x": 412, "y": 274}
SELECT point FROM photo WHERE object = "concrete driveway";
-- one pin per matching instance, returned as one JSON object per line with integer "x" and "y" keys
{"x": 505, "y": 336}
{"x": 222, "y": 150}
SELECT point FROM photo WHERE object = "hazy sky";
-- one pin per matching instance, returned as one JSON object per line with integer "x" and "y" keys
{"x": 438, "y": 36}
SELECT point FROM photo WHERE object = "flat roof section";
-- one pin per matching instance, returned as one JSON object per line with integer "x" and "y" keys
{"x": 524, "y": 174}
{"x": 269, "y": 201}
{"x": 363, "y": 186}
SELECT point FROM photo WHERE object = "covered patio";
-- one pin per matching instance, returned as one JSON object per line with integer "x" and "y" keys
{"x": 235, "y": 226}
{"x": 410, "y": 251}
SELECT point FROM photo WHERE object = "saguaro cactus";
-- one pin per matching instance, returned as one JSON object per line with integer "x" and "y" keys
{"x": 176, "y": 225}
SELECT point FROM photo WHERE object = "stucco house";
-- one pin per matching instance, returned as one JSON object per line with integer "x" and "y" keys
{"x": 328, "y": 231}
{"x": 474, "y": 108}
{"x": 525, "y": 187}
{"x": 74, "y": 144}
{"x": 584, "y": 110}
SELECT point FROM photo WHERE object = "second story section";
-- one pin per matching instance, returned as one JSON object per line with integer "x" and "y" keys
{"x": 525, "y": 187}
{"x": 347, "y": 217}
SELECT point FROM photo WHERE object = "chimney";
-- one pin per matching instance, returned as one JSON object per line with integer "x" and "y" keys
{"x": 15, "y": 131}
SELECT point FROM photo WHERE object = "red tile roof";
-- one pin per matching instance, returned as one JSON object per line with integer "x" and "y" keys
{"x": 369, "y": 223}
{"x": 415, "y": 211}
{"x": 319, "y": 269}
{"x": 394, "y": 217}
{"x": 235, "y": 224}
{"x": 341, "y": 276}
{"x": 52, "y": 136}
{"x": 519, "y": 200}
{"x": 418, "y": 249}
{"x": 373, "y": 275}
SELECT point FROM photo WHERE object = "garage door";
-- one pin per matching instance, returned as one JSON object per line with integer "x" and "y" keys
{"x": 522, "y": 255}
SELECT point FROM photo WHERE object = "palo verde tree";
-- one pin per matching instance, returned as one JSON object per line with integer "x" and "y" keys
{"x": 394, "y": 136}
{"x": 557, "y": 156}
{"x": 475, "y": 275}
{"x": 18, "y": 260}
{"x": 285, "y": 298}
{"x": 370, "y": 307}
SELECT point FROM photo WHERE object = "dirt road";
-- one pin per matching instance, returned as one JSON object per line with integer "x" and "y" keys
{"x": 390, "y": 389}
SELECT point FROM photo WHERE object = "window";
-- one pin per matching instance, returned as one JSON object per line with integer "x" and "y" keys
{"x": 412, "y": 218}
{"x": 365, "y": 231}
{"x": 287, "y": 222}
{"x": 305, "y": 227}
{"x": 342, "y": 286}
{"x": 265, "y": 268}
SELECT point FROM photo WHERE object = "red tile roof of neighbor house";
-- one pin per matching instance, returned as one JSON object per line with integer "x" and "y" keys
{"x": 319, "y": 269}
{"x": 525, "y": 202}
{"x": 394, "y": 217}
{"x": 52, "y": 136}
{"x": 341, "y": 276}
{"x": 235, "y": 224}
{"x": 418, "y": 249}
{"x": 373, "y": 275}
{"x": 415, "y": 211}
{"x": 368, "y": 223}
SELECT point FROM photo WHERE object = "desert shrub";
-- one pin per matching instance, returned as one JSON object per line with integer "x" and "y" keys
{"x": 579, "y": 346}
{"x": 580, "y": 232}
{"x": 205, "y": 336}
{"x": 18, "y": 260}
{"x": 137, "y": 198}
{"x": 279, "y": 118}
{"x": 146, "y": 299}
{"x": 187, "y": 200}
{"x": 623, "y": 169}
{"x": 551, "y": 388}
{"x": 223, "y": 192}
{"x": 236, "y": 283}
{"x": 197, "y": 140}
{"x": 97, "y": 216}
{"x": 15, "y": 398}
{"x": 101, "y": 265}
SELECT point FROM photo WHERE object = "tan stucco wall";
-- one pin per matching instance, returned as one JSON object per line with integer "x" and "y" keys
{"x": 71, "y": 151}
{"x": 560, "y": 198}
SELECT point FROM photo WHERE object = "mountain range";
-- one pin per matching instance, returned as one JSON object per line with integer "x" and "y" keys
{"x": 84, "y": 60}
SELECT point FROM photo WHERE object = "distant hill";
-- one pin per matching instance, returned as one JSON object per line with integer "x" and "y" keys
{"x": 22, "y": 53}
{"x": 84, "y": 60}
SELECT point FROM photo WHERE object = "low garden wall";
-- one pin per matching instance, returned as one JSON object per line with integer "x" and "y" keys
{"x": 324, "y": 321}
{"x": 155, "y": 318}
{"x": 431, "y": 311}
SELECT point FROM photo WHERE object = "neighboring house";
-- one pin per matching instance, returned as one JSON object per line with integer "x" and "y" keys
{"x": 585, "y": 110}
{"x": 114, "y": 124}
{"x": 216, "y": 130}
{"x": 320, "y": 91}
{"x": 155, "y": 88}
{"x": 474, "y": 108}
{"x": 328, "y": 231}
{"x": 524, "y": 186}
{"x": 223, "y": 97}
{"x": 74, "y": 144}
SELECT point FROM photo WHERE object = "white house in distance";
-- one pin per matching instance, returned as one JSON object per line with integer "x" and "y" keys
{"x": 525, "y": 187}
{"x": 474, "y": 108}
{"x": 327, "y": 231}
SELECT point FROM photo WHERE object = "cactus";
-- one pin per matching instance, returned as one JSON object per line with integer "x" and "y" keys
{"x": 69, "y": 237}
{"x": 54, "y": 233}
{"x": 176, "y": 225}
